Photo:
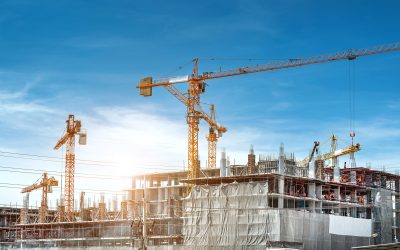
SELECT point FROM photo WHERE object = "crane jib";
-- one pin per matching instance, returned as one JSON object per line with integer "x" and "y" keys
{"x": 289, "y": 63}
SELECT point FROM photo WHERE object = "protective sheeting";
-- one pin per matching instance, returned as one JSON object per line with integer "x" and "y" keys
{"x": 228, "y": 215}
{"x": 237, "y": 216}
{"x": 342, "y": 225}
{"x": 383, "y": 214}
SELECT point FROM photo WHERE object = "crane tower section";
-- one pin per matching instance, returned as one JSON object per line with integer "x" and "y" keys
{"x": 68, "y": 139}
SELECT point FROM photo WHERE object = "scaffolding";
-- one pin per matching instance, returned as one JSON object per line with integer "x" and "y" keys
{"x": 269, "y": 203}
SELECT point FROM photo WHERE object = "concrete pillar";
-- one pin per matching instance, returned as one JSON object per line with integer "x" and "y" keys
{"x": 311, "y": 190}
{"x": 124, "y": 210}
{"x": 228, "y": 167}
{"x": 222, "y": 165}
{"x": 171, "y": 228}
{"x": 397, "y": 214}
{"x": 336, "y": 171}
{"x": 133, "y": 182}
{"x": 353, "y": 176}
{"x": 336, "y": 193}
{"x": 136, "y": 203}
{"x": 353, "y": 196}
{"x": 169, "y": 181}
{"x": 353, "y": 212}
{"x": 311, "y": 193}
{"x": 311, "y": 169}
{"x": 160, "y": 205}
{"x": 318, "y": 191}
{"x": 318, "y": 195}
{"x": 281, "y": 191}
{"x": 281, "y": 163}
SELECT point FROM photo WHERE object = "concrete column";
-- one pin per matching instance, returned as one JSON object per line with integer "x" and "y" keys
{"x": 169, "y": 181}
{"x": 336, "y": 171}
{"x": 133, "y": 182}
{"x": 281, "y": 191}
{"x": 160, "y": 206}
{"x": 336, "y": 193}
{"x": 311, "y": 169}
{"x": 311, "y": 190}
{"x": 397, "y": 214}
{"x": 311, "y": 193}
{"x": 222, "y": 165}
{"x": 318, "y": 195}
{"x": 353, "y": 196}
{"x": 353, "y": 212}
{"x": 281, "y": 163}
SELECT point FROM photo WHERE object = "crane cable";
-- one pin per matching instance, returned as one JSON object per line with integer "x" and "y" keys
{"x": 352, "y": 98}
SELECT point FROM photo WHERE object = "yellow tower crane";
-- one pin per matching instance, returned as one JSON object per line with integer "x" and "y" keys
{"x": 214, "y": 133}
{"x": 333, "y": 154}
{"x": 46, "y": 184}
{"x": 73, "y": 128}
{"x": 196, "y": 87}
{"x": 193, "y": 118}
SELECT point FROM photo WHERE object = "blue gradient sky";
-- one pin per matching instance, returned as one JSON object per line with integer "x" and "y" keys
{"x": 85, "y": 57}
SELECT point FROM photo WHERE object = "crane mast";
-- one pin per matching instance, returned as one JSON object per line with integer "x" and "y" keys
{"x": 193, "y": 120}
{"x": 212, "y": 142}
{"x": 73, "y": 128}
{"x": 212, "y": 148}
{"x": 196, "y": 86}
{"x": 214, "y": 133}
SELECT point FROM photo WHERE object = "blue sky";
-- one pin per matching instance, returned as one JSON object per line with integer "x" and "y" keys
{"x": 85, "y": 57}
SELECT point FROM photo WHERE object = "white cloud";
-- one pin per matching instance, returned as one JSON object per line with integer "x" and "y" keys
{"x": 18, "y": 111}
{"x": 133, "y": 136}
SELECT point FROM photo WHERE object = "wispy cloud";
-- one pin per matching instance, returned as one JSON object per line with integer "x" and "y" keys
{"x": 19, "y": 111}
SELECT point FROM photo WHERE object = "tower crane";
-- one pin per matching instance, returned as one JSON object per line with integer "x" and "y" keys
{"x": 335, "y": 153}
{"x": 212, "y": 139}
{"x": 73, "y": 128}
{"x": 193, "y": 119}
{"x": 46, "y": 184}
{"x": 196, "y": 87}
{"x": 332, "y": 155}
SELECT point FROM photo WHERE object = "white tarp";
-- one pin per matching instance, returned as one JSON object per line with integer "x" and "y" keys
{"x": 342, "y": 225}
{"x": 237, "y": 216}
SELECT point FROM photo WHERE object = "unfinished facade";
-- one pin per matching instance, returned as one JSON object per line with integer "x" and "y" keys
{"x": 273, "y": 202}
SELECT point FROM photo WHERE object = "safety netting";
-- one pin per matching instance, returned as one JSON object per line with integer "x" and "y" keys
{"x": 237, "y": 216}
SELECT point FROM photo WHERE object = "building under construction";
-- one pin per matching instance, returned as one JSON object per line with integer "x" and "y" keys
{"x": 274, "y": 202}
